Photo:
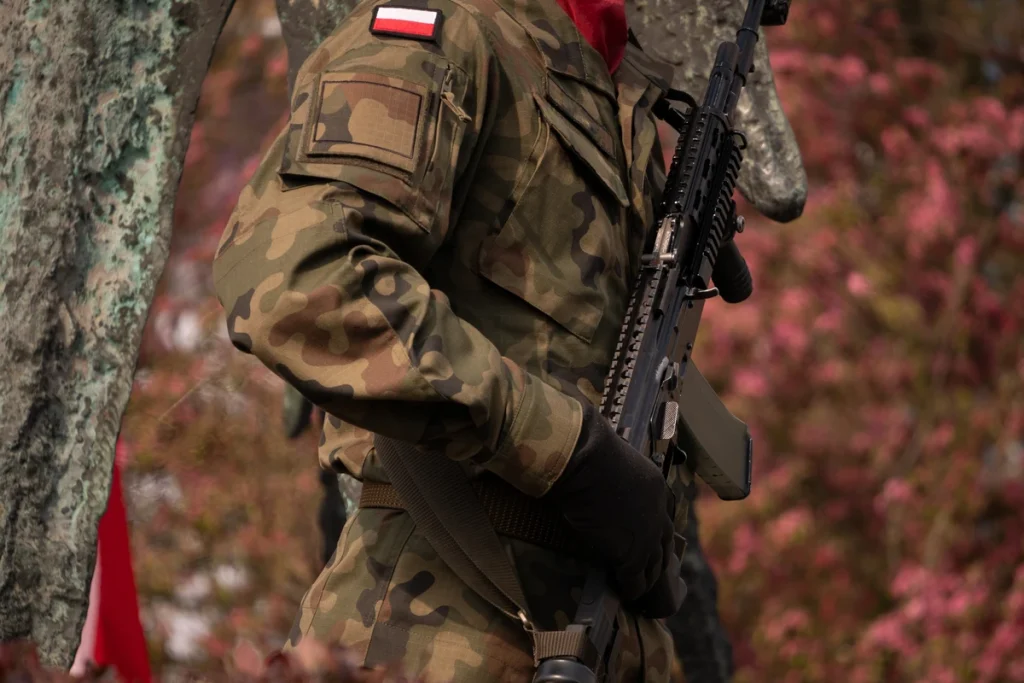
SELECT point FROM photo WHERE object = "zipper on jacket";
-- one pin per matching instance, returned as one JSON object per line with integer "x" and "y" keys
{"x": 447, "y": 99}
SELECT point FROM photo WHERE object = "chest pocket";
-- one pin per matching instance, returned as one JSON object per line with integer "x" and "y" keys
{"x": 562, "y": 248}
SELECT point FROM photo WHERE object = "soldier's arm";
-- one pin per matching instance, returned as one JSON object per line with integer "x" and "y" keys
{"x": 317, "y": 267}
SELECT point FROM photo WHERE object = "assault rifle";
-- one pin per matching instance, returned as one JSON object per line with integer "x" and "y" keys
{"x": 654, "y": 396}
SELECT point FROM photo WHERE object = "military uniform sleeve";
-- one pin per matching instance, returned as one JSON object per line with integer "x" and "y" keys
{"x": 319, "y": 266}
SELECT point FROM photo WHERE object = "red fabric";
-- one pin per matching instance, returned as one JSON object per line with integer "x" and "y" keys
{"x": 119, "y": 639}
{"x": 603, "y": 24}
{"x": 412, "y": 28}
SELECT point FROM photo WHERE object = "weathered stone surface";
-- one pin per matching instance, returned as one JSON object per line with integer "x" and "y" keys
{"x": 687, "y": 34}
{"x": 97, "y": 98}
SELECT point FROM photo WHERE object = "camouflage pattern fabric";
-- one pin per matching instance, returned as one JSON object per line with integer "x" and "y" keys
{"x": 700, "y": 641}
{"x": 438, "y": 248}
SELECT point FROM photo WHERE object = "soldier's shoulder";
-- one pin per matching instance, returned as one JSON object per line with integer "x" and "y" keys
{"x": 393, "y": 35}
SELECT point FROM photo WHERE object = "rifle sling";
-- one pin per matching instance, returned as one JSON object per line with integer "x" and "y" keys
{"x": 511, "y": 513}
{"x": 438, "y": 495}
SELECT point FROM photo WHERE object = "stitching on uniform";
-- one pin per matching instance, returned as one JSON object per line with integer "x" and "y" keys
{"x": 378, "y": 198}
{"x": 342, "y": 542}
{"x": 358, "y": 78}
{"x": 381, "y": 594}
{"x": 440, "y": 637}
{"x": 486, "y": 30}
{"x": 408, "y": 48}
{"x": 343, "y": 158}
{"x": 412, "y": 361}
{"x": 527, "y": 31}
{"x": 391, "y": 576}
{"x": 579, "y": 44}
{"x": 514, "y": 427}
{"x": 526, "y": 171}
{"x": 581, "y": 110}
{"x": 265, "y": 239}
{"x": 564, "y": 449}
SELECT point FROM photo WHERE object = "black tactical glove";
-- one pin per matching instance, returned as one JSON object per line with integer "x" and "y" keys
{"x": 619, "y": 503}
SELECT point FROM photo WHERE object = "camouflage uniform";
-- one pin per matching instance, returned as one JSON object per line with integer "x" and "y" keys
{"x": 439, "y": 248}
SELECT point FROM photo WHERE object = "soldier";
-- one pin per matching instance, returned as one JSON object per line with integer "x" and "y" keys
{"x": 438, "y": 249}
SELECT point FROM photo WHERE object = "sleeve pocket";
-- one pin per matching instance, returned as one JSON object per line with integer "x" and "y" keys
{"x": 388, "y": 135}
{"x": 366, "y": 116}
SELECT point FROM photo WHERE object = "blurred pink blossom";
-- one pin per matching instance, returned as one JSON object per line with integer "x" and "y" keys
{"x": 894, "y": 492}
{"x": 857, "y": 284}
{"x": 851, "y": 71}
{"x": 787, "y": 527}
{"x": 750, "y": 382}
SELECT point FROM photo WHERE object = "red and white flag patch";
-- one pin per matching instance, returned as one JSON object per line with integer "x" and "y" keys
{"x": 406, "y": 22}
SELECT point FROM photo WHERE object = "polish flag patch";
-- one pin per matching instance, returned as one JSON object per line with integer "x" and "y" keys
{"x": 406, "y": 22}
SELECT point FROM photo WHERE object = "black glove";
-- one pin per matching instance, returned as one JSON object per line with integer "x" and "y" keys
{"x": 619, "y": 503}
{"x": 666, "y": 596}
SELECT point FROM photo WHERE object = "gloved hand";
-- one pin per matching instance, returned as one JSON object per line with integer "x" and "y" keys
{"x": 621, "y": 506}
{"x": 666, "y": 595}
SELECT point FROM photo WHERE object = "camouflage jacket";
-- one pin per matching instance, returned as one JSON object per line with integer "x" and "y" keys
{"x": 440, "y": 245}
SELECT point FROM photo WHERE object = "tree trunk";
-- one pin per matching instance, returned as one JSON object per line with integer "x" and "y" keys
{"x": 687, "y": 33}
{"x": 305, "y": 24}
{"x": 97, "y": 98}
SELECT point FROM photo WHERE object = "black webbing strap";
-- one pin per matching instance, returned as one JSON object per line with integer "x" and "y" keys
{"x": 511, "y": 513}
{"x": 572, "y": 642}
{"x": 438, "y": 496}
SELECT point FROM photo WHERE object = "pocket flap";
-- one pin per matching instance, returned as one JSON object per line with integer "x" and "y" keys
{"x": 381, "y": 133}
{"x": 585, "y": 150}
{"x": 581, "y": 106}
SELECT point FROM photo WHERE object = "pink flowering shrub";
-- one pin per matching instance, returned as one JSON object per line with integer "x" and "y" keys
{"x": 879, "y": 365}
{"x": 308, "y": 663}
